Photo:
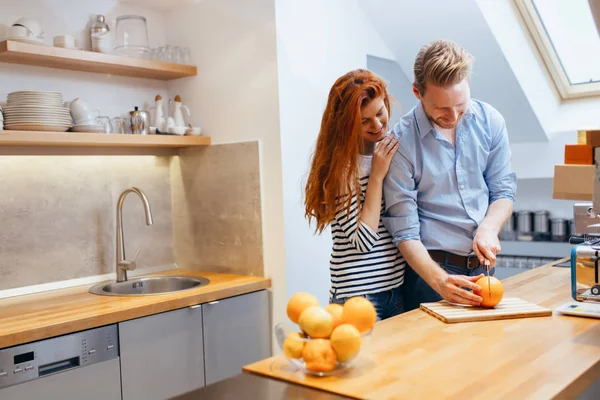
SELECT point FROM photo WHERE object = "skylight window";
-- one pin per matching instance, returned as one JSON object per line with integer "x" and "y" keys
{"x": 568, "y": 40}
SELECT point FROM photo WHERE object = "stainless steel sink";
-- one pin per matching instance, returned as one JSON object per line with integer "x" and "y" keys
{"x": 149, "y": 285}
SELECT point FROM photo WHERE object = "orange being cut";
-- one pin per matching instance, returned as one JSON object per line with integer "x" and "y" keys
{"x": 491, "y": 291}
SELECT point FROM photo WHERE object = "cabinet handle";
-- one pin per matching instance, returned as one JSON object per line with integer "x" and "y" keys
{"x": 214, "y": 302}
{"x": 196, "y": 306}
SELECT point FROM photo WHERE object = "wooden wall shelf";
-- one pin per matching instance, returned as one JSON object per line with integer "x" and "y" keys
{"x": 79, "y": 60}
{"x": 70, "y": 139}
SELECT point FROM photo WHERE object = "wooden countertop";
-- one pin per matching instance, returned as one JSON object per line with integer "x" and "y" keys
{"x": 39, "y": 316}
{"x": 414, "y": 355}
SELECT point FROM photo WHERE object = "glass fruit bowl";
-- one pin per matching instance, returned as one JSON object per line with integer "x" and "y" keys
{"x": 322, "y": 357}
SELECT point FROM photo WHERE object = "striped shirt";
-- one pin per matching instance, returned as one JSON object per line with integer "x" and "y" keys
{"x": 362, "y": 261}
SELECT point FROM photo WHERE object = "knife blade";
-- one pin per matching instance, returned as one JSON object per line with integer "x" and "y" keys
{"x": 486, "y": 268}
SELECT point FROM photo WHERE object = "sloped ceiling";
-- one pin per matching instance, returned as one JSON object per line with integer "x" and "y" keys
{"x": 406, "y": 25}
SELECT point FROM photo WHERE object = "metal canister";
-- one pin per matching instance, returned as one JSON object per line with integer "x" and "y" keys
{"x": 524, "y": 221}
{"x": 558, "y": 227}
{"x": 99, "y": 26}
{"x": 99, "y": 30}
{"x": 541, "y": 221}
{"x": 140, "y": 122}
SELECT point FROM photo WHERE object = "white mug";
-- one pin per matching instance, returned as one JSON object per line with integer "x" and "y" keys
{"x": 80, "y": 110}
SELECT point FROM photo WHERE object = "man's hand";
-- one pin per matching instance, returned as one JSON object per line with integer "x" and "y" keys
{"x": 451, "y": 288}
{"x": 486, "y": 245}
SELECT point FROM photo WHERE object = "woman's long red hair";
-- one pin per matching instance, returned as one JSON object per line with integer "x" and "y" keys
{"x": 334, "y": 170}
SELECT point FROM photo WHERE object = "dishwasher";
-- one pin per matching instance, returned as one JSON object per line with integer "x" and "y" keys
{"x": 81, "y": 365}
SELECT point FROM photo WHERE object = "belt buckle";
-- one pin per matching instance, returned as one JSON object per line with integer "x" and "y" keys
{"x": 472, "y": 257}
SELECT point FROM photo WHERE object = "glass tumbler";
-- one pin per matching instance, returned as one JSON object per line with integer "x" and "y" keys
{"x": 105, "y": 122}
{"x": 122, "y": 125}
{"x": 131, "y": 36}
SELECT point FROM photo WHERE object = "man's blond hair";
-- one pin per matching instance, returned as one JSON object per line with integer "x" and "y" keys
{"x": 441, "y": 63}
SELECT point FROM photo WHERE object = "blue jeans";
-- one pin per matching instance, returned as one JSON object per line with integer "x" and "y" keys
{"x": 417, "y": 291}
{"x": 387, "y": 304}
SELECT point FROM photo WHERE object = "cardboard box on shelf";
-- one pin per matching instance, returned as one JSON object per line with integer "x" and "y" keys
{"x": 591, "y": 137}
{"x": 579, "y": 154}
{"x": 573, "y": 182}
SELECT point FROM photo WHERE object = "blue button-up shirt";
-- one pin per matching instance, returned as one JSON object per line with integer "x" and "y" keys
{"x": 439, "y": 193}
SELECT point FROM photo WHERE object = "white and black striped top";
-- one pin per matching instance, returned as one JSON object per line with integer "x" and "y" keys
{"x": 362, "y": 261}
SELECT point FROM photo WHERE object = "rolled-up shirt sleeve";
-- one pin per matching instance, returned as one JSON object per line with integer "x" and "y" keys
{"x": 350, "y": 227}
{"x": 500, "y": 180}
{"x": 401, "y": 217}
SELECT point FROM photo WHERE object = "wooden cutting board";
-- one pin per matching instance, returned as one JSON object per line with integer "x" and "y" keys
{"x": 510, "y": 307}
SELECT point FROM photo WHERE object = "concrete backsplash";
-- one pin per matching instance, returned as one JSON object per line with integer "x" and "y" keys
{"x": 58, "y": 216}
{"x": 58, "y": 213}
{"x": 217, "y": 209}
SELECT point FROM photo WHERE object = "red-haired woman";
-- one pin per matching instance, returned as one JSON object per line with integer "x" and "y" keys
{"x": 344, "y": 190}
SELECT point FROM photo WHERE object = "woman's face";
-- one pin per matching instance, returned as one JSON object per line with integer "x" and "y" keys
{"x": 374, "y": 120}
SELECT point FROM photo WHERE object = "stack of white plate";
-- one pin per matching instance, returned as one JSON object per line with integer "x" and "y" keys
{"x": 36, "y": 111}
{"x": 1, "y": 119}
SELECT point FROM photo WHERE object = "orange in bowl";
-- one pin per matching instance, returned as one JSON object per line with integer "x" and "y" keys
{"x": 319, "y": 356}
{"x": 492, "y": 291}
{"x": 316, "y": 322}
{"x": 293, "y": 345}
{"x": 298, "y": 303}
{"x": 336, "y": 313}
{"x": 359, "y": 312}
{"x": 345, "y": 340}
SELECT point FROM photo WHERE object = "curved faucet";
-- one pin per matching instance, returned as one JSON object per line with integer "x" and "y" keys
{"x": 122, "y": 265}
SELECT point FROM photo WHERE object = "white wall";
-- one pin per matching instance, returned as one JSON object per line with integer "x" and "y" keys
{"x": 234, "y": 98}
{"x": 111, "y": 95}
{"x": 407, "y": 25}
{"x": 317, "y": 41}
{"x": 536, "y": 194}
{"x": 519, "y": 49}
{"x": 399, "y": 86}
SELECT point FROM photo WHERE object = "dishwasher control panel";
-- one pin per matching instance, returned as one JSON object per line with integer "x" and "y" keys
{"x": 35, "y": 360}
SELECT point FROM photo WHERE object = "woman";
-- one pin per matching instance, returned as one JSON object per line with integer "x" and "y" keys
{"x": 344, "y": 190}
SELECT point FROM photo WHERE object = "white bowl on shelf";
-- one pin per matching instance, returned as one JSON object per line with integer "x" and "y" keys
{"x": 177, "y": 130}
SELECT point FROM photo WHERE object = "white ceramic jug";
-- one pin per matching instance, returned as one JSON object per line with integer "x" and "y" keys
{"x": 178, "y": 113}
{"x": 159, "y": 121}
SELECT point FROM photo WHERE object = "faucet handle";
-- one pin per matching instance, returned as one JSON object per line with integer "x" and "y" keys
{"x": 129, "y": 265}
{"x": 137, "y": 253}
{"x": 132, "y": 264}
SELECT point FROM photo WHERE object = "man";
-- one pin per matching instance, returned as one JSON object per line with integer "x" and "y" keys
{"x": 449, "y": 189}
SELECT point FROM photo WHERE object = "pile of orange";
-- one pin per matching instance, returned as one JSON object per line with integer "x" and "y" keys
{"x": 335, "y": 330}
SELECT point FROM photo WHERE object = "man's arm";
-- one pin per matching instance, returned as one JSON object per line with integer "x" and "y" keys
{"x": 402, "y": 221}
{"x": 502, "y": 185}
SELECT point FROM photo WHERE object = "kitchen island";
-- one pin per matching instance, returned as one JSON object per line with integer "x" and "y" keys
{"x": 416, "y": 356}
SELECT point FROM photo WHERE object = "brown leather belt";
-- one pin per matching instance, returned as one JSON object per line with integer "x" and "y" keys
{"x": 441, "y": 256}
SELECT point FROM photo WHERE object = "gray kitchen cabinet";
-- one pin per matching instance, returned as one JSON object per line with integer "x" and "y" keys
{"x": 162, "y": 355}
{"x": 236, "y": 333}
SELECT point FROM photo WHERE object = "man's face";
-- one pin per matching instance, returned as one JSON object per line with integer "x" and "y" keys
{"x": 445, "y": 105}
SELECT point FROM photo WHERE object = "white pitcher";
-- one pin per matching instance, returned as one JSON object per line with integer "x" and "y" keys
{"x": 159, "y": 121}
{"x": 178, "y": 113}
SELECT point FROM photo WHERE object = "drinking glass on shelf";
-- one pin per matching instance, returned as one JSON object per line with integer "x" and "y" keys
{"x": 178, "y": 55}
{"x": 122, "y": 125}
{"x": 105, "y": 122}
{"x": 186, "y": 56}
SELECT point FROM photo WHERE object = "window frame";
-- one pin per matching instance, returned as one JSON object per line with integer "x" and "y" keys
{"x": 551, "y": 60}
